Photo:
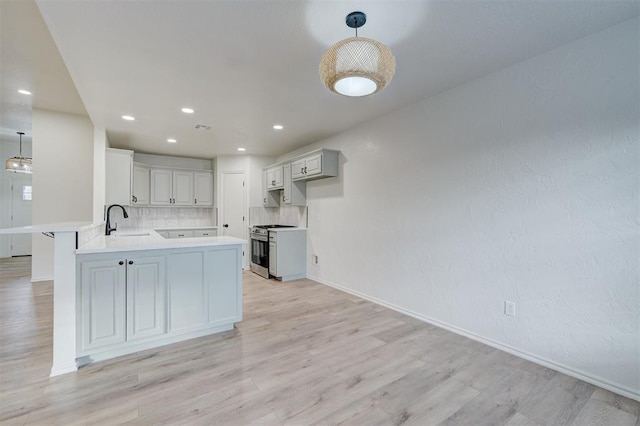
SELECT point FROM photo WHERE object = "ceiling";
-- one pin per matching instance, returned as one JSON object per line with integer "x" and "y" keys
{"x": 244, "y": 66}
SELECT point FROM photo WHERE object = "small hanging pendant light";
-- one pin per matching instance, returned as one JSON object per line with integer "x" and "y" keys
{"x": 19, "y": 164}
{"x": 357, "y": 66}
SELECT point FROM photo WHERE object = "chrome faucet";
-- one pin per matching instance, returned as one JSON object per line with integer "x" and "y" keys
{"x": 108, "y": 227}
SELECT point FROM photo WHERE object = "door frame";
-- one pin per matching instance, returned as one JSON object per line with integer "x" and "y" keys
{"x": 245, "y": 213}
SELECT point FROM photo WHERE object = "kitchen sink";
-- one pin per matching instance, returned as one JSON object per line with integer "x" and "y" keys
{"x": 135, "y": 234}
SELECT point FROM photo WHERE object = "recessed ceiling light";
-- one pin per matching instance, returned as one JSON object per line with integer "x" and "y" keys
{"x": 24, "y": 92}
{"x": 171, "y": 140}
{"x": 242, "y": 149}
{"x": 187, "y": 110}
{"x": 278, "y": 126}
{"x": 128, "y": 117}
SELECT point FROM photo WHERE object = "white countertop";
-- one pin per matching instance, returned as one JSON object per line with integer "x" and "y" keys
{"x": 153, "y": 241}
{"x": 51, "y": 227}
{"x": 185, "y": 228}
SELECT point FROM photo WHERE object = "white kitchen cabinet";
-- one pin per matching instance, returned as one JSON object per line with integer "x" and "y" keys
{"x": 161, "y": 187}
{"x": 295, "y": 192}
{"x": 122, "y": 299}
{"x": 288, "y": 253}
{"x": 140, "y": 186}
{"x": 182, "y": 188}
{"x": 275, "y": 178}
{"x": 205, "y": 232}
{"x": 203, "y": 188}
{"x": 181, "y": 234}
{"x": 315, "y": 165}
{"x": 118, "y": 165}
{"x": 171, "y": 187}
{"x": 103, "y": 296}
{"x": 146, "y": 286}
{"x": 136, "y": 300}
{"x": 269, "y": 198}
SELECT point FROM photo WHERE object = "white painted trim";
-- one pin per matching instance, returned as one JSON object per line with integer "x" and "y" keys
{"x": 545, "y": 362}
{"x": 163, "y": 341}
{"x": 41, "y": 279}
{"x": 63, "y": 369}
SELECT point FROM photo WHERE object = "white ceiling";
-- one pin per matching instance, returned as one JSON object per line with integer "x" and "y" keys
{"x": 246, "y": 65}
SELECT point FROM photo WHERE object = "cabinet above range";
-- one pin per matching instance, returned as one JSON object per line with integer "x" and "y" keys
{"x": 291, "y": 176}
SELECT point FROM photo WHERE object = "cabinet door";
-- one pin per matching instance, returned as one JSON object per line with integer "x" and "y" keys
{"x": 297, "y": 169}
{"x": 273, "y": 259}
{"x": 103, "y": 303}
{"x": 161, "y": 182}
{"x": 271, "y": 178}
{"x": 286, "y": 171}
{"x": 140, "y": 186}
{"x": 277, "y": 177}
{"x": 313, "y": 165}
{"x": 186, "y": 289}
{"x": 118, "y": 163}
{"x": 182, "y": 188}
{"x": 203, "y": 189}
{"x": 269, "y": 198}
{"x": 146, "y": 287}
{"x": 180, "y": 234}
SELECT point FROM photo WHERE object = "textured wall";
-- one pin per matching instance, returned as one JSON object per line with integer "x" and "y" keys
{"x": 62, "y": 178}
{"x": 519, "y": 186}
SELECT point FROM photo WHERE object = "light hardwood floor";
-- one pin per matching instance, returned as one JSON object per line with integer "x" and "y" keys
{"x": 304, "y": 354}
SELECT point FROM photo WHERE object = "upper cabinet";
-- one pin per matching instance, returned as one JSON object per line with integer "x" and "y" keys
{"x": 118, "y": 164}
{"x": 315, "y": 165}
{"x": 295, "y": 193}
{"x": 140, "y": 186}
{"x": 275, "y": 178}
{"x": 171, "y": 188}
{"x": 269, "y": 198}
{"x": 203, "y": 189}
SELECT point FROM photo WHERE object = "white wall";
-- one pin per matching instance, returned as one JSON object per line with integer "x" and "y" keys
{"x": 519, "y": 186}
{"x": 9, "y": 148}
{"x": 100, "y": 144}
{"x": 62, "y": 178}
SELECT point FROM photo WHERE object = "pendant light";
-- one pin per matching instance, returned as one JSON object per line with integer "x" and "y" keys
{"x": 19, "y": 164}
{"x": 357, "y": 66}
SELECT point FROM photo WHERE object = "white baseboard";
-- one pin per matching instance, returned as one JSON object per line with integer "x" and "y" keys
{"x": 57, "y": 370}
{"x": 545, "y": 362}
{"x": 40, "y": 279}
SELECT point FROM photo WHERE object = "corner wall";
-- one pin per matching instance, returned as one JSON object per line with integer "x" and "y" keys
{"x": 62, "y": 178}
{"x": 519, "y": 186}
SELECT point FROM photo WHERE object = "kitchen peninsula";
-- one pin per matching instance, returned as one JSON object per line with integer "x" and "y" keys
{"x": 123, "y": 293}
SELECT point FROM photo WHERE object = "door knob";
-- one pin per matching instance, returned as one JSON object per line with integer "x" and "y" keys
{"x": 131, "y": 262}
{"x": 121, "y": 263}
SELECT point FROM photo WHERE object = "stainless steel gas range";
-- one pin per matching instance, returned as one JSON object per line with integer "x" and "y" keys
{"x": 260, "y": 248}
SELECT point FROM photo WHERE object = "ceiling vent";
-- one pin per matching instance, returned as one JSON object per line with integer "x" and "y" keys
{"x": 202, "y": 127}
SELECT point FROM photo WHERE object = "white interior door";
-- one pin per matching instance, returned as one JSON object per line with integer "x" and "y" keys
{"x": 233, "y": 223}
{"x": 21, "y": 215}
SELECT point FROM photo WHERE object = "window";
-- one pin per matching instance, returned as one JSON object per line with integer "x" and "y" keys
{"x": 26, "y": 193}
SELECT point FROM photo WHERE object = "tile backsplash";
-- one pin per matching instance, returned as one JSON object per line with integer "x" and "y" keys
{"x": 159, "y": 217}
{"x": 284, "y": 215}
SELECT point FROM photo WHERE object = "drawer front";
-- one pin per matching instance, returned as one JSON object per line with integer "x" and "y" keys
{"x": 180, "y": 234}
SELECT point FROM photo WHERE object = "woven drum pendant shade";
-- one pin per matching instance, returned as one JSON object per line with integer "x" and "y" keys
{"x": 357, "y": 66}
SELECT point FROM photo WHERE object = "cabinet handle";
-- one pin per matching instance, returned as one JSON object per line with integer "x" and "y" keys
{"x": 301, "y": 170}
{"x": 195, "y": 201}
{"x": 134, "y": 198}
{"x": 305, "y": 170}
{"x": 131, "y": 262}
{"x": 121, "y": 263}
{"x": 265, "y": 201}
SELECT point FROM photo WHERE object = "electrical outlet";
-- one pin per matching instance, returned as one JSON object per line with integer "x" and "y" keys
{"x": 509, "y": 308}
{"x": 314, "y": 259}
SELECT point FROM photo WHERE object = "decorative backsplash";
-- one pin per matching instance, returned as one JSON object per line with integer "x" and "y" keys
{"x": 285, "y": 215}
{"x": 158, "y": 217}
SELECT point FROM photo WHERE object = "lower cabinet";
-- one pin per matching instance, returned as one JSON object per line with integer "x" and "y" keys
{"x": 122, "y": 300}
{"x": 135, "y": 300}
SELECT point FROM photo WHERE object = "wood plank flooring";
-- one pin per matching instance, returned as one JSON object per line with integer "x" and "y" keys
{"x": 304, "y": 354}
